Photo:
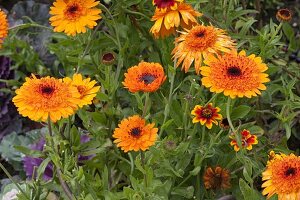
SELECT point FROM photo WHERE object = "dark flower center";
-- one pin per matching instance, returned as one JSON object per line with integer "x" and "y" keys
{"x": 147, "y": 78}
{"x": 108, "y": 57}
{"x": 47, "y": 90}
{"x": 285, "y": 13}
{"x": 207, "y": 113}
{"x": 135, "y": 132}
{"x": 200, "y": 34}
{"x": 72, "y": 9}
{"x": 290, "y": 171}
{"x": 217, "y": 181}
{"x": 164, "y": 3}
{"x": 234, "y": 71}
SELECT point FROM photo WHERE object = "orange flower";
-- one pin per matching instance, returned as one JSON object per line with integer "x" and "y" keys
{"x": 282, "y": 177}
{"x": 73, "y": 16}
{"x": 235, "y": 74}
{"x": 167, "y": 19}
{"x": 247, "y": 140}
{"x": 134, "y": 134}
{"x": 146, "y": 77}
{"x": 216, "y": 178}
{"x": 46, "y": 97}
{"x": 284, "y": 15}
{"x": 3, "y": 27}
{"x": 198, "y": 42}
{"x": 206, "y": 115}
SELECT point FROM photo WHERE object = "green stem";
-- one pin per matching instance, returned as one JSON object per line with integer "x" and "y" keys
{"x": 28, "y": 25}
{"x": 12, "y": 180}
{"x": 146, "y": 105}
{"x": 212, "y": 98}
{"x": 143, "y": 165}
{"x": 64, "y": 185}
{"x": 228, "y": 114}
{"x": 202, "y": 135}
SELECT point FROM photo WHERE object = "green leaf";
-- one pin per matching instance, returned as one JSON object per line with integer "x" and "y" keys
{"x": 240, "y": 112}
{"x": 42, "y": 167}
{"x": 248, "y": 192}
{"x": 27, "y": 151}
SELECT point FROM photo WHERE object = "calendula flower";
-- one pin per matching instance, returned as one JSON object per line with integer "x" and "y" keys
{"x": 284, "y": 15}
{"x": 85, "y": 87}
{"x": 3, "y": 27}
{"x": 216, "y": 178}
{"x": 235, "y": 74}
{"x": 74, "y": 16}
{"x": 46, "y": 97}
{"x": 200, "y": 41}
{"x": 134, "y": 134}
{"x": 168, "y": 19}
{"x": 247, "y": 140}
{"x": 282, "y": 177}
{"x": 206, "y": 115}
{"x": 164, "y": 4}
{"x": 146, "y": 77}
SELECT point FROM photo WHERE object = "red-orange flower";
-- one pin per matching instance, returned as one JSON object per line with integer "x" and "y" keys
{"x": 3, "y": 26}
{"x": 164, "y": 4}
{"x": 206, "y": 115}
{"x": 146, "y": 77}
{"x": 247, "y": 140}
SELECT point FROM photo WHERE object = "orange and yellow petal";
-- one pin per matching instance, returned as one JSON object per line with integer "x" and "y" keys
{"x": 3, "y": 27}
{"x": 206, "y": 115}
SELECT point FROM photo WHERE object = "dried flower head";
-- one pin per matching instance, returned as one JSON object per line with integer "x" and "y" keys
{"x": 284, "y": 15}
{"x": 216, "y": 178}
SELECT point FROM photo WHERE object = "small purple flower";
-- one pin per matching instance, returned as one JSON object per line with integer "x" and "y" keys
{"x": 30, "y": 163}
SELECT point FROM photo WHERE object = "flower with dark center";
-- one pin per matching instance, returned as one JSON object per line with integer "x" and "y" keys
{"x": 74, "y": 16}
{"x": 284, "y": 15}
{"x": 134, "y": 134}
{"x": 108, "y": 58}
{"x": 282, "y": 177}
{"x": 235, "y": 74}
{"x": 145, "y": 77}
{"x": 247, "y": 140}
{"x": 206, "y": 115}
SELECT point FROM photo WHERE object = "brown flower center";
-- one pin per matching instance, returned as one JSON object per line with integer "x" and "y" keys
{"x": 147, "y": 78}
{"x": 136, "y": 132}
{"x": 234, "y": 71}
{"x": 200, "y": 34}
{"x": 164, "y": 3}
{"x": 73, "y": 11}
{"x": 81, "y": 89}
{"x": 290, "y": 171}
{"x": 206, "y": 113}
{"x": 108, "y": 57}
{"x": 47, "y": 90}
{"x": 285, "y": 13}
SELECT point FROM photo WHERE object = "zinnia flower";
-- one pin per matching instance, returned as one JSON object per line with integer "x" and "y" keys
{"x": 46, "y": 97}
{"x": 206, "y": 115}
{"x": 247, "y": 140}
{"x": 282, "y": 177}
{"x": 146, "y": 77}
{"x": 216, "y": 178}
{"x": 284, "y": 15}
{"x": 134, "y": 134}
{"x": 170, "y": 18}
{"x": 164, "y": 4}
{"x": 3, "y": 26}
{"x": 73, "y": 16}
{"x": 235, "y": 74}
{"x": 198, "y": 42}
{"x": 85, "y": 87}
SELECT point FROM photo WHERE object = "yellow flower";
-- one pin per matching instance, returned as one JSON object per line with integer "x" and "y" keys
{"x": 73, "y": 16}
{"x": 206, "y": 115}
{"x": 167, "y": 20}
{"x": 3, "y": 27}
{"x": 282, "y": 177}
{"x": 235, "y": 74}
{"x": 46, "y": 97}
{"x": 85, "y": 87}
{"x": 134, "y": 134}
{"x": 198, "y": 42}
